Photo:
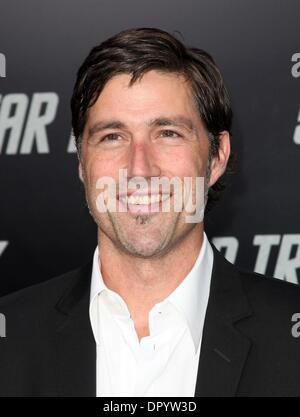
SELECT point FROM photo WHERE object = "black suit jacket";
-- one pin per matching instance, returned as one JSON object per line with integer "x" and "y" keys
{"x": 247, "y": 347}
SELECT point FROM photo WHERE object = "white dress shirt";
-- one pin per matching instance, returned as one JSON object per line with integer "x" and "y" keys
{"x": 165, "y": 363}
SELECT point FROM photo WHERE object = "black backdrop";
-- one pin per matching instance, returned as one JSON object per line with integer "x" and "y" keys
{"x": 45, "y": 227}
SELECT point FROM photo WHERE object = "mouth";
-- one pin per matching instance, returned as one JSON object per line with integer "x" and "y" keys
{"x": 143, "y": 203}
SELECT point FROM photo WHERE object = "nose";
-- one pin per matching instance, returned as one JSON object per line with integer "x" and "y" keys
{"x": 142, "y": 161}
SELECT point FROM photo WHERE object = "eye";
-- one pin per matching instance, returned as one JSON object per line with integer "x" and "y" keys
{"x": 170, "y": 134}
{"x": 111, "y": 137}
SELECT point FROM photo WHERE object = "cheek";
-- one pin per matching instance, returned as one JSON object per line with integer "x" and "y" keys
{"x": 98, "y": 167}
{"x": 186, "y": 163}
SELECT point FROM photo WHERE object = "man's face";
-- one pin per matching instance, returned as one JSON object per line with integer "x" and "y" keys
{"x": 151, "y": 129}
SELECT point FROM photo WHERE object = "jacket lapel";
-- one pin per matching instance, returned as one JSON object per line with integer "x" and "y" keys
{"x": 76, "y": 348}
{"x": 224, "y": 349}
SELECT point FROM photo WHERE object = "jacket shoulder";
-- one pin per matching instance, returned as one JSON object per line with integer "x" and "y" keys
{"x": 266, "y": 294}
{"x": 257, "y": 284}
{"x": 270, "y": 290}
{"x": 274, "y": 302}
{"x": 42, "y": 294}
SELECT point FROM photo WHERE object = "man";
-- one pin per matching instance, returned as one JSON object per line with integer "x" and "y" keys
{"x": 158, "y": 311}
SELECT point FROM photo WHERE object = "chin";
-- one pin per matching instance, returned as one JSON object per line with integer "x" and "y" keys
{"x": 144, "y": 249}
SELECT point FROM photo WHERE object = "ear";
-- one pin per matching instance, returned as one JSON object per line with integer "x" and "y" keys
{"x": 219, "y": 162}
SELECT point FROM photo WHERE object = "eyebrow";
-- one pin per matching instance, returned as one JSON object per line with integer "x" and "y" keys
{"x": 178, "y": 121}
{"x": 99, "y": 126}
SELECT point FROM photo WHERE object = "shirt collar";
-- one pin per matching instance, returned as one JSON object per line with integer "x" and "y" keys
{"x": 97, "y": 283}
{"x": 190, "y": 297}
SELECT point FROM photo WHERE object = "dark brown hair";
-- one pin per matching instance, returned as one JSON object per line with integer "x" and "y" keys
{"x": 137, "y": 51}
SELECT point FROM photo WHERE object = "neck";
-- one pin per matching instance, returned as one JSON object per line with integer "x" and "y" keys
{"x": 142, "y": 283}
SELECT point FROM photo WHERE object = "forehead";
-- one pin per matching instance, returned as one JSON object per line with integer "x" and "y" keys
{"x": 155, "y": 92}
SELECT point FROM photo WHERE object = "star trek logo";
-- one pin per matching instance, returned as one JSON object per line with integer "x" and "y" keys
{"x": 3, "y": 245}
{"x": 24, "y": 122}
{"x": 287, "y": 247}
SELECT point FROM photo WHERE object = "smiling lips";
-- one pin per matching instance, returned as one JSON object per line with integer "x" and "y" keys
{"x": 143, "y": 203}
{"x": 143, "y": 199}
